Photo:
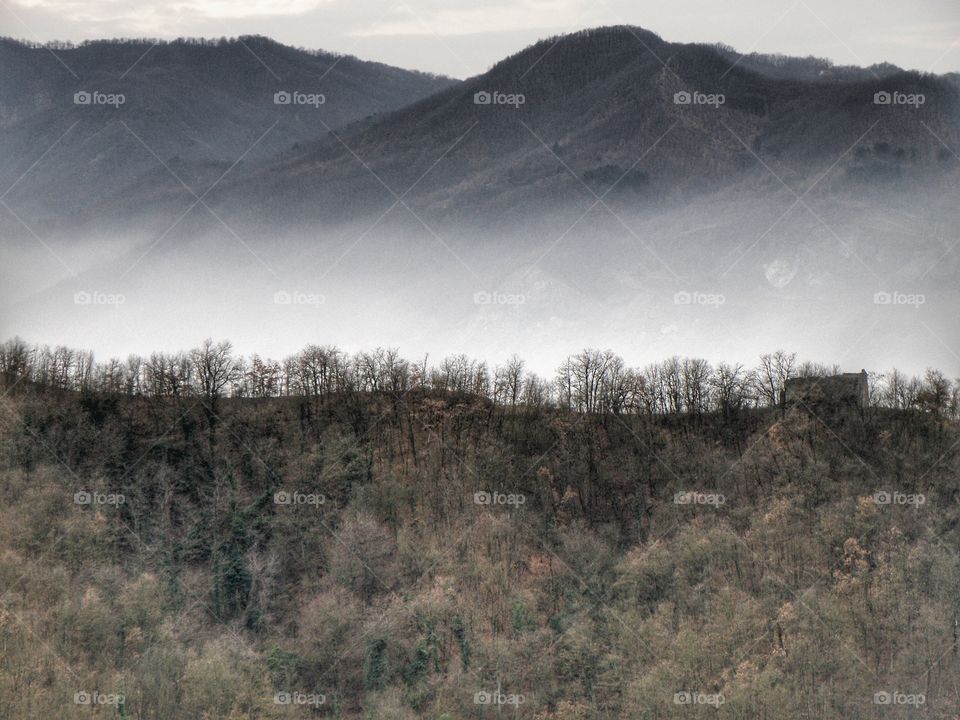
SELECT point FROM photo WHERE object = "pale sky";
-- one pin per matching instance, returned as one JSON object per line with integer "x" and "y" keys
{"x": 464, "y": 37}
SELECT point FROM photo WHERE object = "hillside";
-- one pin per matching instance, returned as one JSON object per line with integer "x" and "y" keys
{"x": 595, "y": 203}
{"x": 198, "y": 106}
{"x": 599, "y": 106}
{"x": 421, "y": 552}
{"x": 598, "y": 109}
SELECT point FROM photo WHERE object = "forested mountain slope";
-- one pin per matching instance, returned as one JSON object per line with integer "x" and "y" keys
{"x": 429, "y": 553}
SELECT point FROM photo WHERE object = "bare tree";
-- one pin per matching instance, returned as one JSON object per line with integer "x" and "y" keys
{"x": 773, "y": 373}
{"x": 730, "y": 385}
{"x": 214, "y": 368}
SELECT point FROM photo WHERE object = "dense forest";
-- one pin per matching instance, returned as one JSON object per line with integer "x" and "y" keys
{"x": 205, "y": 535}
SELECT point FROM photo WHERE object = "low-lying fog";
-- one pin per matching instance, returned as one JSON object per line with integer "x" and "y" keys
{"x": 869, "y": 284}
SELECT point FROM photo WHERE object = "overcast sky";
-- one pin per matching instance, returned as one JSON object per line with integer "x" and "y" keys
{"x": 464, "y": 37}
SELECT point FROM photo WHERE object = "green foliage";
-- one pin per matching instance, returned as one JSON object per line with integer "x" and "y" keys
{"x": 231, "y": 578}
{"x": 375, "y": 673}
{"x": 283, "y": 665}
{"x": 402, "y": 597}
{"x": 522, "y": 620}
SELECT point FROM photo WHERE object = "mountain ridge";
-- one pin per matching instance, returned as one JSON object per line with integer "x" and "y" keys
{"x": 599, "y": 113}
{"x": 205, "y": 104}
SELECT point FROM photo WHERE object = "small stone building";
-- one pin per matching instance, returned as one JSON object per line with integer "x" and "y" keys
{"x": 847, "y": 390}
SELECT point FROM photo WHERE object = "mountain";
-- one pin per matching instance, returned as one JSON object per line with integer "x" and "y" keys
{"x": 602, "y": 108}
{"x": 584, "y": 214}
{"x": 101, "y": 119}
{"x": 600, "y": 105}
